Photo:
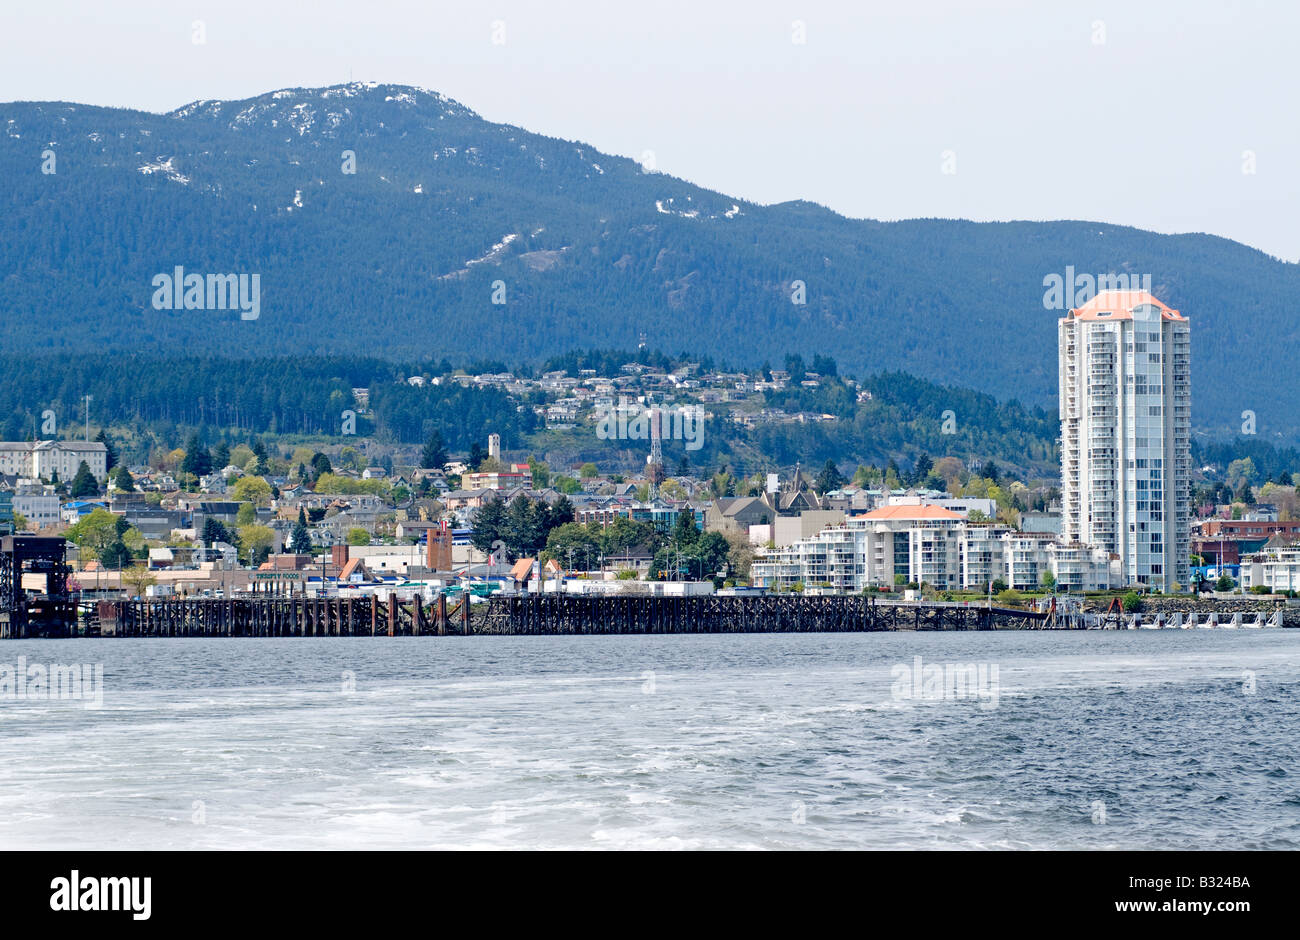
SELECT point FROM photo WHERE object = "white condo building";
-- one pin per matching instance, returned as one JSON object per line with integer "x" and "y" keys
{"x": 928, "y": 545}
{"x": 1125, "y": 404}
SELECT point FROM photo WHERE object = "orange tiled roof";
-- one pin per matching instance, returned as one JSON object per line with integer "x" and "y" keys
{"x": 911, "y": 512}
{"x": 1119, "y": 304}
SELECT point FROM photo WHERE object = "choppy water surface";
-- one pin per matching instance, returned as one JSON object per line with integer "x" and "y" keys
{"x": 1176, "y": 739}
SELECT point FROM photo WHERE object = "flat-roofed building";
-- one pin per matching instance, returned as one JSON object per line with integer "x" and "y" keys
{"x": 928, "y": 545}
{"x": 1276, "y": 568}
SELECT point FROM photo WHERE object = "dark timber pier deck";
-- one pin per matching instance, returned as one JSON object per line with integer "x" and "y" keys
{"x": 576, "y": 614}
{"x": 545, "y": 615}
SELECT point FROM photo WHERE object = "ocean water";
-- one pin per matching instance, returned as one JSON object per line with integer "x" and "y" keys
{"x": 1094, "y": 740}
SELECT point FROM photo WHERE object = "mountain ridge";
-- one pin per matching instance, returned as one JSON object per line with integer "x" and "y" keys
{"x": 592, "y": 250}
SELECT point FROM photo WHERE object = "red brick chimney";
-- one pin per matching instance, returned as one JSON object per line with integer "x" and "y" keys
{"x": 338, "y": 556}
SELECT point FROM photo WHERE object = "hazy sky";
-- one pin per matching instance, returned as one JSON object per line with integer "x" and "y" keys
{"x": 1141, "y": 113}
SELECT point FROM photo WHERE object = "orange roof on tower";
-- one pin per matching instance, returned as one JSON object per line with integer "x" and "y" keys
{"x": 1119, "y": 304}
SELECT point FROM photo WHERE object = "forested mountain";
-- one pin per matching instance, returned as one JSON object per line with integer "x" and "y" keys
{"x": 402, "y": 258}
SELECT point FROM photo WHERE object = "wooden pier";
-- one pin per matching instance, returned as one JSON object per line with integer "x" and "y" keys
{"x": 543, "y": 615}
{"x": 594, "y": 615}
{"x": 281, "y": 617}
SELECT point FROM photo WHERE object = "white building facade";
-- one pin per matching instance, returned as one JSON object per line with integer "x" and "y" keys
{"x": 39, "y": 509}
{"x": 43, "y": 459}
{"x": 928, "y": 545}
{"x": 1277, "y": 569}
{"x": 1125, "y": 407}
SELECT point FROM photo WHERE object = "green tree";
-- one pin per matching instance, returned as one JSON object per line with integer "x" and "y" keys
{"x": 261, "y": 465}
{"x": 139, "y": 578}
{"x": 197, "y": 461}
{"x": 921, "y": 469}
{"x": 525, "y": 528}
{"x": 116, "y": 555}
{"x": 94, "y": 531}
{"x": 110, "y": 452}
{"x": 331, "y": 483}
{"x": 566, "y": 484}
{"x": 214, "y": 531}
{"x": 829, "y": 479}
{"x": 572, "y": 541}
{"x": 357, "y": 536}
{"x": 1241, "y": 473}
{"x": 255, "y": 542}
{"x": 300, "y": 540}
{"x": 489, "y": 526}
{"x": 1009, "y": 598}
{"x": 434, "y": 454}
{"x": 253, "y": 490}
{"x": 672, "y": 489}
{"x": 588, "y": 471}
{"x": 123, "y": 480}
{"x": 83, "y": 484}
{"x": 623, "y": 535}
{"x": 685, "y": 532}
{"x": 541, "y": 473}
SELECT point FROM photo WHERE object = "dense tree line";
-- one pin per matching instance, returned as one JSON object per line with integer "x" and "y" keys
{"x": 293, "y": 395}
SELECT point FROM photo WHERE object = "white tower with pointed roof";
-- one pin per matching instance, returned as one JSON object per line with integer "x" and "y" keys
{"x": 1125, "y": 406}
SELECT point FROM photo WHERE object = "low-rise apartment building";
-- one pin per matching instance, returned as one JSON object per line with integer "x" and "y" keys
{"x": 928, "y": 545}
{"x": 1277, "y": 569}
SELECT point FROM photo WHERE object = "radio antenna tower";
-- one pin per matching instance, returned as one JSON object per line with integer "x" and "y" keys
{"x": 655, "y": 462}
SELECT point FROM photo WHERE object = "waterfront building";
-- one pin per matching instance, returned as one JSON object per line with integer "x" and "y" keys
{"x": 929, "y": 545}
{"x": 1125, "y": 408}
{"x": 1277, "y": 568}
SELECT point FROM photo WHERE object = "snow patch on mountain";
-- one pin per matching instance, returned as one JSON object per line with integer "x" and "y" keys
{"x": 493, "y": 255}
{"x": 166, "y": 168}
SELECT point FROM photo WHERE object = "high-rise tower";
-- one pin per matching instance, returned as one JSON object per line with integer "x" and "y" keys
{"x": 1125, "y": 404}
